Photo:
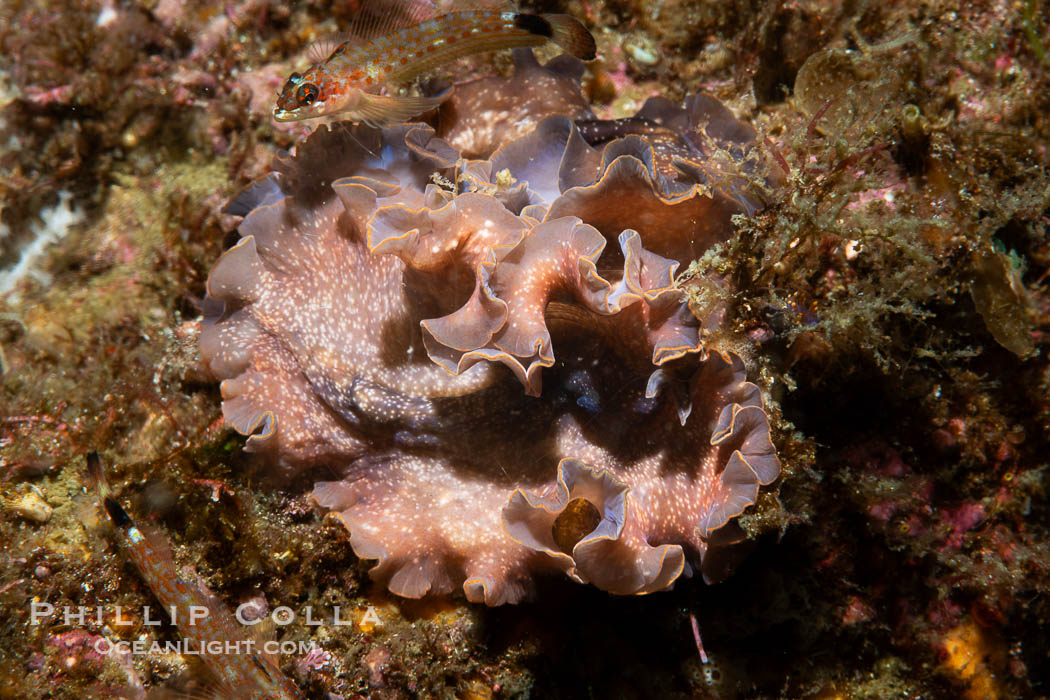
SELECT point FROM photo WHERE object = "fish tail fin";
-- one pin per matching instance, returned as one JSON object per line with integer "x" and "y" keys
{"x": 570, "y": 34}
{"x": 97, "y": 474}
{"x": 113, "y": 509}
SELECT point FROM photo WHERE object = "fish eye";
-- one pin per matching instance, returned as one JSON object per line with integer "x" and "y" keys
{"x": 306, "y": 94}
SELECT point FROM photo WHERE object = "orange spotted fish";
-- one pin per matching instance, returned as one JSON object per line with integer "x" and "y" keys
{"x": 243, "y": 668}
{"x": 349, "y": 80}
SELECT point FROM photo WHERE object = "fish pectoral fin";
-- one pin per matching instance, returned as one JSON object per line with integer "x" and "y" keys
{"x": 387, "y": 109}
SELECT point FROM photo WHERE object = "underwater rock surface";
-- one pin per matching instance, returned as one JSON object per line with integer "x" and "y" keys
{"x": 493, "y": 354}
{"x": 889, "y": 298}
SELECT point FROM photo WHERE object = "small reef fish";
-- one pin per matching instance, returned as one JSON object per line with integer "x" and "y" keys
{"x": 384, "y": 55}
{"x": 242, "y": 669}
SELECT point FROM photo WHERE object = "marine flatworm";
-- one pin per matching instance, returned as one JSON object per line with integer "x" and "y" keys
{"x": 492, "y": 353}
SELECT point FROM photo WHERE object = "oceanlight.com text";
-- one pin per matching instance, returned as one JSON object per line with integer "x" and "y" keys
{"x": 197, "y": 647}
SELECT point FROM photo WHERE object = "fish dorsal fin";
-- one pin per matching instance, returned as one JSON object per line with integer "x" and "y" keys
{"x": 321, "y": 49}
{"x": 374, "y": 19}
{"x": 381, "y": 17}
{"x": 463, "y": 5}
{"x": 378, "y": 17}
